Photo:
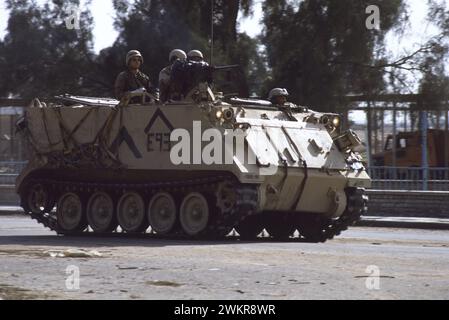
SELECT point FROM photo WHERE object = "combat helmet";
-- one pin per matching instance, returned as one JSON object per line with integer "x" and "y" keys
{"x": 178, "y": 54}
{"x": 193, "y": 54}
{"x": 276, "y": 92}
{"x": 132, "y": 54}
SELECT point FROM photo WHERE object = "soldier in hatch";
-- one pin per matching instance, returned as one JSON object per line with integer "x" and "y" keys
{"x": 278, "y": 96}
{"x": 132, "y": 79}
{"x": 165, "y": 74}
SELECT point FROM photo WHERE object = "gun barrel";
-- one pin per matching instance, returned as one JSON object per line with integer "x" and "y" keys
{"x": 231, "y": 66}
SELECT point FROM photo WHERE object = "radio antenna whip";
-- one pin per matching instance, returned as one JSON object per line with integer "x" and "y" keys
{"x": 211, "y": 31}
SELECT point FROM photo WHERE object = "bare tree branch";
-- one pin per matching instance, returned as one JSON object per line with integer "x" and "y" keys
{"x": 402, "y": 63}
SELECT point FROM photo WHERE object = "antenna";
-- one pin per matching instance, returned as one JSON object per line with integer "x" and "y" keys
{"x": 211, "y": 31}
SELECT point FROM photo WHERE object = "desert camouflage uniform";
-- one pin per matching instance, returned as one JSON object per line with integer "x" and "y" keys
{"x": 127, "y": 81}
{"x": 164, "y": 83}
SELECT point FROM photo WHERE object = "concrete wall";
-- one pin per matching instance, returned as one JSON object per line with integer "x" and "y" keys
{"x": 8, "y": 196}
{"x": 403, "y": 203}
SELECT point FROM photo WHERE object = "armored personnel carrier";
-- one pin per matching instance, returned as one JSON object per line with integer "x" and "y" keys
{"x": 197, "y": 167}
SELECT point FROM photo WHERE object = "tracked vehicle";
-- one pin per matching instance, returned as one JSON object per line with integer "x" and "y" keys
{"x": 197, "y": 167}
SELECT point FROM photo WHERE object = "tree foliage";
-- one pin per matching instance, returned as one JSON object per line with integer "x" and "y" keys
{"x": 434, "y": 84}
{"x": 322, "y": 48}
{"x": 317, "y": 49}
{"x": 156, "y": 27}
{"x": 39, "y": 55}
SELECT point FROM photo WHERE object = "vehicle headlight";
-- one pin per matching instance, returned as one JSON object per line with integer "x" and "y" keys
{"x": 336, "y": 122}
{"x": 218, "y": 114}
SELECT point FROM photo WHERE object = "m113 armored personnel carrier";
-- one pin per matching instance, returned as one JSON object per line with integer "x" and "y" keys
{"x": 196, "y": 167}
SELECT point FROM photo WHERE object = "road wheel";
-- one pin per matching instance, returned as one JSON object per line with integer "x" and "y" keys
{"x": 100, "y": 212}
{"x": 131, "y": 213}
{"x": 70, "y": 213}
{"x": 194, "y": 213}
{"x": 38, "y": 199}
{"x": 162, "y": 213}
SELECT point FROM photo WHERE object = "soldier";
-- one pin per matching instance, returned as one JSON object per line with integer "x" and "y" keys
{"x": 278, "y": 96}
{"x": 165, "y": 74}
{"x": 132, "y": 79}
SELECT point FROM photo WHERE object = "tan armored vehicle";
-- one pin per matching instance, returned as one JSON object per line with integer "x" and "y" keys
{"x": 197, "y": 167}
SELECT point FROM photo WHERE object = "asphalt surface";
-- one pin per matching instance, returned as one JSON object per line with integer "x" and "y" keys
{"x": 365, "y": 221}
{"x": 362, "y": 263}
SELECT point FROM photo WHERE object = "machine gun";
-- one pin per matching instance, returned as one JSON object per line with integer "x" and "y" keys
{"x": 226, "y": 67}
{"x": 186, "y": 75}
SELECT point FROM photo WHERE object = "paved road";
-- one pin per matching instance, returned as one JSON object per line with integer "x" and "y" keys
{"x": 411, "y": 264}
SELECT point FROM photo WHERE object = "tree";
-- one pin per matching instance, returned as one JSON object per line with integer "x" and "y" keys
{"x": 322, "y": 48}
{"x": 434, "y": 85}
{"x": 40, "y": 55}
{"x": 158, "y": 26}
{"x": 248, "y": 54}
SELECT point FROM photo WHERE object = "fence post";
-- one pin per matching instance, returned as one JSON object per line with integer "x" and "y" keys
{"x": 393, "y": 145}
{"x": 424, "y": 157}
{"x": 446, "y": 133}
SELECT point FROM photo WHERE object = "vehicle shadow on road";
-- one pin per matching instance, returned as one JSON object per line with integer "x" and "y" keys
{"x": 144, "y": 240}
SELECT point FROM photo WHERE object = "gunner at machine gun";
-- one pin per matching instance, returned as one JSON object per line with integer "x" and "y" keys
{"x": 187, "y": 74}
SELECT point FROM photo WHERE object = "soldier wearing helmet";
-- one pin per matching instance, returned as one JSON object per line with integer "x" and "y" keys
{"x": 195, "y": 55}
{"x": 132, "y": 79}
{"x": 278, "y": 96}
{"x": 164, "y": 75}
